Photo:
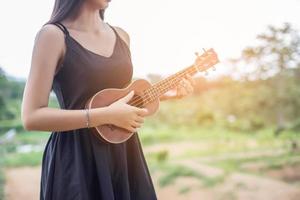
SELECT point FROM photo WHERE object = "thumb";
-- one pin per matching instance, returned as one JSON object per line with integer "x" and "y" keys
{"x": 127, "y": 97}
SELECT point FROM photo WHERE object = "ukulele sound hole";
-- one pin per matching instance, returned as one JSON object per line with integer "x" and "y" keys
{"x": 136, "y": 101}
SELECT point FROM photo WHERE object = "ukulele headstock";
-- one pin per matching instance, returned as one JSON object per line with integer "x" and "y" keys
{"x": 207, "y": 60}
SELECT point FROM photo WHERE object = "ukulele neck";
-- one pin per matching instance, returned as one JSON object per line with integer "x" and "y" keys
{"x": 161, "y": 87}
{"x": 202, "y": 63}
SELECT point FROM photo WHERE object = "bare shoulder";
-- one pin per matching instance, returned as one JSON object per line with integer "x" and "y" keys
{"x": 49, "y": 49}
{"x": 51, "y": 35}
{"x": 50, "y": 31}
{"x": 123, "y": 34}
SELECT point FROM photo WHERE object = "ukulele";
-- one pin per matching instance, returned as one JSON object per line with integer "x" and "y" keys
{"x": 146, "y": 96}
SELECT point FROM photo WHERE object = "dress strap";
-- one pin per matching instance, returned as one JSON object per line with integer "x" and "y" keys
{"x": 62, "y": 27}
{"x": 121, "y": 40}
{"x": 113, "y": 29}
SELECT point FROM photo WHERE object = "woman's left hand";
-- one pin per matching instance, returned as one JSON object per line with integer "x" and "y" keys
{"x": 185, "y": 86}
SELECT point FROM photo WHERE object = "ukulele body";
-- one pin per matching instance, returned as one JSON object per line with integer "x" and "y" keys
{"x": 149, "y": 100}
{"x": 109, "y": 132}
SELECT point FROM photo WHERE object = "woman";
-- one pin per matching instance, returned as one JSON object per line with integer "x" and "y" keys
{"x": 76, "y": 54}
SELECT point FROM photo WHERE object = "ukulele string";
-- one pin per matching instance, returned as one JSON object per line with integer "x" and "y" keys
{"x": 140, "y": 101}
{"x": 192, "y": 69}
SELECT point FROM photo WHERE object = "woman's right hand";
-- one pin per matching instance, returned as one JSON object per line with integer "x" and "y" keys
{"x": 124, "y": 115}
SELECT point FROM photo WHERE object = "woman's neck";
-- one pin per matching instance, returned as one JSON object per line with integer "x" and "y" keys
{"x": 87, "y": 20}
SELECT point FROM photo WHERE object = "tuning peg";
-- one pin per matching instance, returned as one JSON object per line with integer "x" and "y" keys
{"x": 203, "y": 49}
{"x": 196, "y": 53}
{"x": 214, "y": 68}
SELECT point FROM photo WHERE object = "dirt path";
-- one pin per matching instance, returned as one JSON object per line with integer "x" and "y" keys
{"x": 22, "y": 183}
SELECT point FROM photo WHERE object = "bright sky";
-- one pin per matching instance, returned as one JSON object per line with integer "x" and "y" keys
{"x": 164, "y": 33}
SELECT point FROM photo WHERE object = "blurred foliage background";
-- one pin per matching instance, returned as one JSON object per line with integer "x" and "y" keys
{"x": 248, "y": 122}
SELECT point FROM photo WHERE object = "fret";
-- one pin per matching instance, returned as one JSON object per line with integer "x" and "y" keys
{"x": 203, "y": 62}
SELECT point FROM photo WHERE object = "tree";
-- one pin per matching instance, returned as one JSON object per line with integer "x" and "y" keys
{"x": 276, "y": 57}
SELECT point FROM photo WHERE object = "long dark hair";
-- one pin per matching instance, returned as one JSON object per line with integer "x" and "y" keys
{"x": 67, "y": 8}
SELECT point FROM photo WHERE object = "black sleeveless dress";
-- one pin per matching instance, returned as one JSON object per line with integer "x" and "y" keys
{"x": 77, "y": 165}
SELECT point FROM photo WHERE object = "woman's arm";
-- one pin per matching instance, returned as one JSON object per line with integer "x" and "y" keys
{"x": 48, "y": 49}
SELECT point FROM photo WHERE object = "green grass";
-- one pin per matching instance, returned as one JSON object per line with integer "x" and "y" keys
{"x": 12, "y": 158}
{"x": 269, "y": 162}
{"x": 23, "y": 159}
{"x": 184, "y": 190}
{"x": 174, "y": 172}
{"x": 216, "y": 141}
{"x": 211, "y": 141}
{"x": 2, "y": 181}
{"x": 35, "y": 137}
{"x": 170, "y": 172}
{"x": 2, "y": 178}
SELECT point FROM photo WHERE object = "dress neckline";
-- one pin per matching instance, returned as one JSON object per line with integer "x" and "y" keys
{"x": 94, "y": 53}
